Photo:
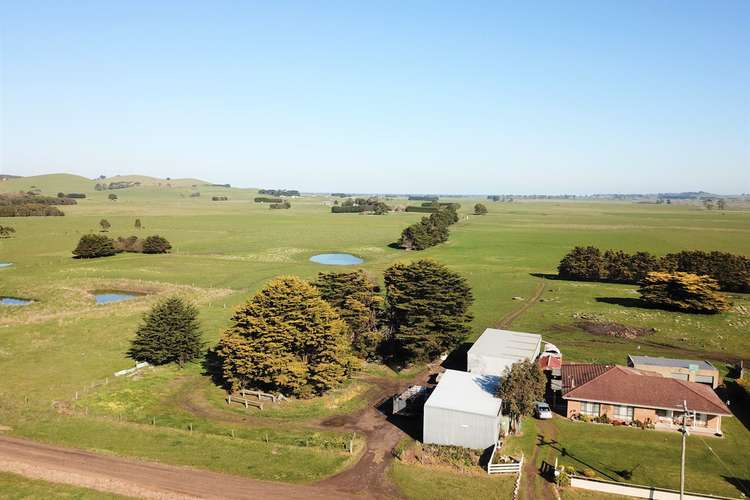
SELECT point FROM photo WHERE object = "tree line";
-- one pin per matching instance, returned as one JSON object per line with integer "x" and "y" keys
{"x": 361, "y": 205}
{"x": 731, "y": 272}
{"x": 302, "y": 338}
{"x": 429, "y": 231}
{"x": 279, "y": 192}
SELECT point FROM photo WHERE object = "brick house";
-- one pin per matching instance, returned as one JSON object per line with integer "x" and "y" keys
{"x": 627, "y": 394}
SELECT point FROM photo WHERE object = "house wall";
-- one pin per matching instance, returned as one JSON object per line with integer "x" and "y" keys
{"x": 667, "y": 371}
{"x": 456, "y": 428}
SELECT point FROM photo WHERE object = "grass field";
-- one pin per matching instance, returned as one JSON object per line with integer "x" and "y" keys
{"x": 223, "y": 251}
{"x": 15, "y": 487}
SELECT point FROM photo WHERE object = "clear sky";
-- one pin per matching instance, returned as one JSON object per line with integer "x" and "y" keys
{"x": 462, "y": 97}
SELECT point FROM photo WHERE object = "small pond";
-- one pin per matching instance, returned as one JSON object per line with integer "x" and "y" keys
{"x": 336, "y": 259}
{"x": 14, "y": 301}
{"x": 108, "y": 296}
{"x": 5, "y": 264}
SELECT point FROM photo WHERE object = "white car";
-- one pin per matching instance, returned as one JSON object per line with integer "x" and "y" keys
{"x": 542, "y": 410}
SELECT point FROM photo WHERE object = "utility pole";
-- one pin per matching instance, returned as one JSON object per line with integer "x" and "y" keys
{"x": 684, "y": 431}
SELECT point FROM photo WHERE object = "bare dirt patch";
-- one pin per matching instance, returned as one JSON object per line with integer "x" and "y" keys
{"x": 595, "y": 326}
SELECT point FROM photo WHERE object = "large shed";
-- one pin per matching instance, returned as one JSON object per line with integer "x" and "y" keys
{"x": 495, "y": 350}
{"x": 463, "y": 411}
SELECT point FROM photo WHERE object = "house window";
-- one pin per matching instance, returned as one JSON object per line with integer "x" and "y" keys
{"x": 624, "y": 412}
{"x": 705, "y": 379}
{"x": 664, "y": 413}
{"x": 590, "y": 409}
{"x": 700, "y": 420}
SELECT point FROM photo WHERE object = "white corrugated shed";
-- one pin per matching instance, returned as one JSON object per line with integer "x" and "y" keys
{"x": 496, "y": 350}
{"x": 463, "y": 411}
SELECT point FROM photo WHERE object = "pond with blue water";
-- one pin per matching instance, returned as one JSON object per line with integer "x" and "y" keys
{"x": 109, "y": 296}
{"x": 14, "y": 301}
{"x": 336, "y": 259}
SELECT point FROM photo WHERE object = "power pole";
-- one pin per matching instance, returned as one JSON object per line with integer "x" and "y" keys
{"x": 684, "y": 431}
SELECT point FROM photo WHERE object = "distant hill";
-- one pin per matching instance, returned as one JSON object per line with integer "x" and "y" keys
{"x": 51, "y": 184}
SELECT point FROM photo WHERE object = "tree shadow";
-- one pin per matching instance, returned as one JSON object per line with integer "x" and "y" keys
{"x": 456, "y": 359}
{"x": 411, "y": 426}
{"x": 624, "y": 302}
{"x": 743, "y": 485}
{"x": 546, "y": 276}
{"x": 555, "y": 445}
{"x": 739, "y": 408}
{"x": 212, "y": 367}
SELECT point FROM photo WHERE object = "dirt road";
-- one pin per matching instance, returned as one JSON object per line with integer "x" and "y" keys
{"x": 513, "y": 315}
{"x": 143, "y": 479}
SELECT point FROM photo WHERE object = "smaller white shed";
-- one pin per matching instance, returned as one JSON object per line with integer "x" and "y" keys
{"x": 495, "y": 350}
{"x": 463, "y": 411}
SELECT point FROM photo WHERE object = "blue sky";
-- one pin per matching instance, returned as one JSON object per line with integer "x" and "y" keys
{"x": 464, "y": 97}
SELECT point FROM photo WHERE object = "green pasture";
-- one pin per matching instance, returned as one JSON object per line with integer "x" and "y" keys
{"x": 224, "y": 251}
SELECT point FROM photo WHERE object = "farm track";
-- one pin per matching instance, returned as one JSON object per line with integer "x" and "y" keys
{"x": 506, "y": 321}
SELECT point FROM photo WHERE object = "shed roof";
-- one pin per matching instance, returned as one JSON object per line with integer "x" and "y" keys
{"x": 467, "y": 392}
{"x": 506, "y": 344}
{"x": 671, "y": 362}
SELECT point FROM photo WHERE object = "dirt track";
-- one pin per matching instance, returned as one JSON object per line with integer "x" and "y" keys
{"x": 139, "y": 478}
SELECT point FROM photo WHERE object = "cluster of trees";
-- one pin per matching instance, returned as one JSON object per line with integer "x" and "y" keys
{"x": 71, "y": 195}
{"x": 438, "y": 204}
{"x": 339, "y": 195}
{"x": 219, "y": 198}
{"x": 92, "y": 246}
{"x": 7, "y": 231}
{"x": 503, "y": 198}
{"x": 683, "y": 292}
{"x": 31, "y": 198}
{"x": 423, "y": 198}
{"x": 279, "y": 192}
{"x": 195, "y": 194}
{"x": 283, "y": 205}
{"x": 302, "y": 338}
{"x": 30, "y": 210}
{"x": 265, "y": 199}
{"x": 360, "y": 205}
{"x": 103, "y": 186}
{"x": 429, "y": 231}
{"x": 480, "y": 209}
{"x": 732, "y": 272}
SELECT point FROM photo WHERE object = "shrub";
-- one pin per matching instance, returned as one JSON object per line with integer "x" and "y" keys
{"x": 7, "y": 231}
{"x": 92, "y": 246}
{"x": 683, "y": 292}
{"x": 129, "y": 244}
{"x": 429, "y": 209}
{"x": 219, "y": 198}
{"x": 589, "y": 472}
{"x": 75, "y": 195}
{"x": 342, "y": 209}
{"x": 156, "y": 244}
{"x": 264, "y": 199}
{"x": 112, "y": 196}
{"x": 563, "y": 478}
{"x": 480, "y": 209}
{"x": 283, "y": 205}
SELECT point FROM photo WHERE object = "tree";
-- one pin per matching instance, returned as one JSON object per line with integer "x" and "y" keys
{"x": 427, "y": 307}
{"x": 112, "y": 196}
{"x": 582, "y": 263}
{"x": 523, "y": 384}
{"x": 683, "y": 292}
{"x": 721, "y": 204}
{"x": 156, "y": 244}
{"x": 480, "y": 209}
{"x": 105, "y": 225}
{"x": 137, "y": 223}
{"x": 91, "y": 246}
{"x": 355, "y": 298}
{"x": 708, "y": 203}
{"x": 286, "y": 338}
{"x": 61, "y": 195}
{"x": 7, "y": 231}
{"x": 170, "y": 332}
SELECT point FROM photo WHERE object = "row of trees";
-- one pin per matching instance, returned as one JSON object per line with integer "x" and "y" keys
{"x": 279, "y": 192}
{"x": 429, "y": 231}
{"x": 30, "y": 210}
{"x": 732, "y": 272}
{"x": 361, "y": 205}
{"x": 92, "y": 246}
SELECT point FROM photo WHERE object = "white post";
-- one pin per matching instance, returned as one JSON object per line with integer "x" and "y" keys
{"x": 682, "y": 461}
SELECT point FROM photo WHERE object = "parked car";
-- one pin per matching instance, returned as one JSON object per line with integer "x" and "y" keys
{"x": 542, "y": 410}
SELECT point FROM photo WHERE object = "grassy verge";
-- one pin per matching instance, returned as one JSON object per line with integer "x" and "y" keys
{"x": 15, "y": 487}
{"x": 425, "y": 483}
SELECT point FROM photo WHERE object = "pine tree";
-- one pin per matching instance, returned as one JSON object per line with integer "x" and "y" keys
{"x": 427, "y": 308}
{"x": 91, "y": 246}
{"x": 683, "y": 292}
{"x": 170, "y": 332}
{"x": 582, "y": 263}
{"x": 137, "y": 223}
{"x": 355, "y": 298}
{"x": 156, "y": 244}
{"x": 286, "y": 338}
{"x": 105, "y": 225}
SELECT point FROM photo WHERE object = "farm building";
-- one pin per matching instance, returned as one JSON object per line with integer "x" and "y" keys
{"x": 463, "y": 411}
{"x": 496, "y": 350}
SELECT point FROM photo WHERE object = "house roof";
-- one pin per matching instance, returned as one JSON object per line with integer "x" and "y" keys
{"x": 671, "y": 362}
{"x": 506, "y": 344}
{"x": 575, "y": 375}
{"x": 466, "y": 392}
{"x": 628, "y": 386}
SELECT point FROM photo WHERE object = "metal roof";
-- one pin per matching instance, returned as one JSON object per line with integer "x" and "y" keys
{"x": 467, "y": 392}
{"x": 506, "y": 344}
{"x": 671, "y": 362}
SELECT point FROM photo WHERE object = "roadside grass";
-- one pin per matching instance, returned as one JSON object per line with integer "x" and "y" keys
{"x": 418, "y": 482}
{"x": 15, "y": 487}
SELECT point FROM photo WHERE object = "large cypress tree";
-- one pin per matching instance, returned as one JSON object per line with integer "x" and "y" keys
{"x": 683, "y": 292}
{"x": 170, "y": 332}
{"x": 427, "y": 308}
{"x": 355, "y": 298}
{"x": 286, "y": 338}
{"x": 91, "y": 246}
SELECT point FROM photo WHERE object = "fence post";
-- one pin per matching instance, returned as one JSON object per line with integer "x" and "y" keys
{"x": 232, "y": 433}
